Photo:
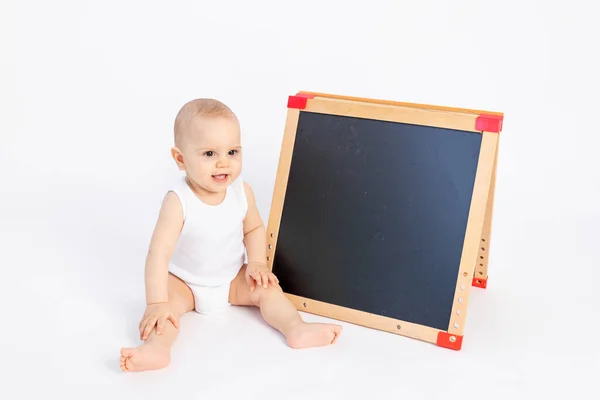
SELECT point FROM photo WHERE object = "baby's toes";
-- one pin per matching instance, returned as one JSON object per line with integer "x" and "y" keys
{"x": 123, "y": 364}
{"x": 126, "y": 354}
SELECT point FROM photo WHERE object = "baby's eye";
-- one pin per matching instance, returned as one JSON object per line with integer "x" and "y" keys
{"x": 232, "y": 152}
{"x": 209, "y": 153}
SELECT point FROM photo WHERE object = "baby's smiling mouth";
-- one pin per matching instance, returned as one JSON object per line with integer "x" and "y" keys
{"x": 220, "y": 178}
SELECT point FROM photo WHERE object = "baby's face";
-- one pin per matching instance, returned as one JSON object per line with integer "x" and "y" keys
{"x": 212, "y": 153}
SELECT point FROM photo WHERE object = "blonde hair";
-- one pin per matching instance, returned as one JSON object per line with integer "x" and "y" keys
{"x": 196, "y": 109}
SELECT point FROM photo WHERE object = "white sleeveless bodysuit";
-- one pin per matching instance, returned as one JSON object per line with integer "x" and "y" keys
{"x": 210, "y": 250}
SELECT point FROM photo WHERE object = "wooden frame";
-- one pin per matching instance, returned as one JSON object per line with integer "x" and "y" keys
{"x": 473, "y": 269}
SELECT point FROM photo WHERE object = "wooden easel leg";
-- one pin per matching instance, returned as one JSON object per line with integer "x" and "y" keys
{"x": 480, "y": 277}
{"x": 480, "y": 208}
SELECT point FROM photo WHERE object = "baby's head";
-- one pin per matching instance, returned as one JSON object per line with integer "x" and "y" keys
{"x": 208, "y": 144}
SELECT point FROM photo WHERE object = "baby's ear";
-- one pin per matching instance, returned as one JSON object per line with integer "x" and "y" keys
{"x": 176, "y": 154}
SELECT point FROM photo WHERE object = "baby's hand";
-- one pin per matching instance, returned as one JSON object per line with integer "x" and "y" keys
{"x": 258, "y": 273}
{"x": 157, "y": 315}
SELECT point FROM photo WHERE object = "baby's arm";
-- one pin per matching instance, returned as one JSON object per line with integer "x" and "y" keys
{"x": 162, "y": 244}
{"x": 255, "y": 239}
{"x": 254, "y": 231}
{"x": 164, "y": 238}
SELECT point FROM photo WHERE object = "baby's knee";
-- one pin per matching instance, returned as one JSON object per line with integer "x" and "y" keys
{"x": 260, "y": 293}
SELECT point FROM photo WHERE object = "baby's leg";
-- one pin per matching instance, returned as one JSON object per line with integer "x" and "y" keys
{"x": 281, "y": 314}
{"x": 155, "y": 353}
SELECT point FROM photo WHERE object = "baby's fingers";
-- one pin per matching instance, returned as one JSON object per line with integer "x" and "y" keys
{"x": 174, "y": 320}
{"x": 265, "y": 279}
{"x": 160, "y": 324}
{"x": 258, "y": 279}
{"x": 250, "y": 281}
{"x": 148, "y": 328}
{"x": 143, "y": 323}
{"x": 273, "y": 279}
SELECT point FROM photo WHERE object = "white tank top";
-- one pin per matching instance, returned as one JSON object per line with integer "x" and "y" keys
{"x": 210, "y": 250}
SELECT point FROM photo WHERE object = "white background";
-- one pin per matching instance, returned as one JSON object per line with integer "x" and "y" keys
{"x": 88, "y": 94}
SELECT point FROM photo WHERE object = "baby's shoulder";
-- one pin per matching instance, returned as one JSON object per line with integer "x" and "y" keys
{"x": 177, "y": 193}
{"x": 239, "y": 185}
{"x": 242, "y": 191}
{"x": 246, "y": 188}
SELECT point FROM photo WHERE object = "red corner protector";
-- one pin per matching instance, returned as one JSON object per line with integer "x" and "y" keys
{"x": 489, "y": 123}
{"x": 299, "y": 100}
{"x": 480, "y": 283}
{"x": 449, "y": 341}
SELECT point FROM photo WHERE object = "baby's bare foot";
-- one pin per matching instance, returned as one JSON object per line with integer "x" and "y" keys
{"x": 313, "y": 335}
{"x": 145, "y": 357}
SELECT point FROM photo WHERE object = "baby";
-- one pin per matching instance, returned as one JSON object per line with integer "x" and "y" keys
{"x": 208, "y": 223}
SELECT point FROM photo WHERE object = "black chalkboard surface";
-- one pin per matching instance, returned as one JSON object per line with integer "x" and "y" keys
{"x": 370, "y": 222}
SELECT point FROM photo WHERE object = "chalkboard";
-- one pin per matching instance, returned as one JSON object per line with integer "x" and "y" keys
{"x": 372, "y": 209}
